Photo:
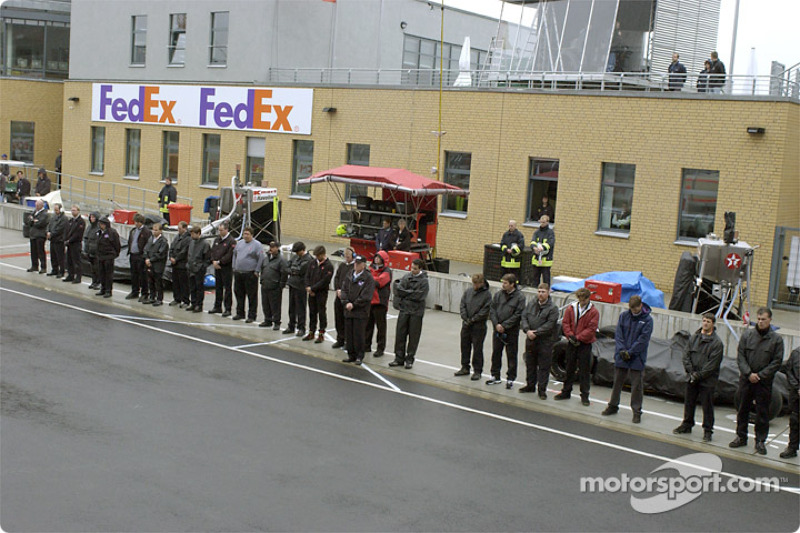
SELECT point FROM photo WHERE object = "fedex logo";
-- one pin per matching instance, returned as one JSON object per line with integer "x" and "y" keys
{"x": 246, "y": 115}
{"x": 145, "y": 108}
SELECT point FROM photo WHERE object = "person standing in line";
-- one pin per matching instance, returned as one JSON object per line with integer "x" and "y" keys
{"x": 759, "y": 356}
{"x": 539, "y": 325}
{"x": 248, "y": 257}
{"x": 137, "y": 240}
{"x": 90, "y": 236}
{"x": 76, "y": 228}
{"x": 410, "y": 293}
{"x": 379, "y": 305}
{"x": 701, "y": 360}
{"x": 197, "y": 262}
{"x": 56, "y": 227}
{"x": 356, "y": 294}
{"x": 506, "y": 313}
{"x": 344, "y": 270}
{"x": 511, "y": 244}
{"x": 274, "y": 273}
{"x": 632, "y": 338}
{"x": 108, "y": 248}
{"x": 475, "y": 304}
{"x": 403, "y": 242}
{"x": 677, "y": 74}
{"x": 386, "y": 237}
{"x": 23, "y": 187}
{"x": 167, "y": 195}
{"x": 792, "y": 371}
{"x": 298, "y": 266}
{"x": 155, "y": 261}
{"x": 543, "y": 244}
{"x": 178, "y": 257}
{"x": 580, "y": 328}
{"x": 318, "y": 282}
{"x": 37, "y": 223}
{"x": 222, "y": 260}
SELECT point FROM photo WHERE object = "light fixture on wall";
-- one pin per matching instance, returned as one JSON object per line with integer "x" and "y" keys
{"x": 329, "y": 110}
{"x": 403, "y": 25}
{"x": 755, "y": 130}
{"x": 74, "y": 99}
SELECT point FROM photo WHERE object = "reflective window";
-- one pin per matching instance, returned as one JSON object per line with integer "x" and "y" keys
{"x": 22, "y": 141}
{"x": 219, "y": 38}
{"x": 169, "y": 157}
{"x": 138, "y": 39}
{"x": 542, "y": 189}
{"x": 177, "y": 39}
{"x": 133, "y": 144}
{"x": 423, "y": 54}
{"x": 357, "y": 154}
{"x": 616, "y": 197}
{"x": 456, "y": 172}
{"x": 256, "y": 146}
{"x": 302, "y": 166}
{"x": 34, "y": 48}
{"x": 698, "y": 203}
{"x": 98, "y": 148}
{"x": 211, "y": 143}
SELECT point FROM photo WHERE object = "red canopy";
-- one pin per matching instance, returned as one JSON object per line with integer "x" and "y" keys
{"x": 397, "y": 179}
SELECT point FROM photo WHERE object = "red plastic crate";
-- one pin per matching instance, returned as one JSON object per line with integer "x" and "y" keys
{"x": 123, "y": 216}
{"x": 604, "y": 291}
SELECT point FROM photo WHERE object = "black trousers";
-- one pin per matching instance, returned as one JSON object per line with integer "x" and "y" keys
{"x": 95, "y": 269}
{"x": 105, "y": 273}
{"x": 74, "y": 265}
{"x": 580, "y": 358}
{"x": 245, "y": 286}
{"x": 271, "y": 300}
{"x": 406, "y": 338}
{"x": 197, "y": 292}
{"x": 180, "y": 285}
{"x": 38, "y": 257}
{"x": 376, "y": 320}
{"x": 297, "y": 308}
{"x": 511, "y": 345}
{"x": 538, "y": 356}
{"x": 338, "y": 315}
{"x": 57, "y": 256}
{"x": 761, "y": 393}
{"x": 472, "y": 338}
{"x": 155, "y": 281}
{"x": 318, "y": 307}
{"x": 794, "y": 427}
{"x": 540, "y": 273}
{"x": 138, "y": 275}
{"x": 699, "y": 392}
{"x": 223, "y": 286}
{"x": 354, "y": 337}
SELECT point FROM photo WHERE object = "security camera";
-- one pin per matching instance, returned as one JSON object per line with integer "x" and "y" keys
{"x": 434, "y": 170}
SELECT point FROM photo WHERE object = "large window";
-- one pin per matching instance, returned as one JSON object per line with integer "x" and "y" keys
{"x": 133, "y": 144}
{"x": 22, "y": 141}
{"x": 138, "y": 39}
{"x": 357, "y": 154}
{"x": 256, "y": 146}
{"x": 456, "y": 172}
{"x": 302, "y": 166}
{"x": 616, "y": 197}
{"x": 34, "y": 48}
{"x": 98, "y": 148}
{"x": 218, "y": 53}
{"x": 210, "y": 159}
{"x": 423, "y": 55}
{"x": 177, "y": 38}
{"x": 542, "y": 189}
{"x": 698, "y": 203}
{"x": 169, "y": 157}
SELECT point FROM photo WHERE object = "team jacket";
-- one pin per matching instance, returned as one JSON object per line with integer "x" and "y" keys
{"x": 546, "y": 238}
{"x": 383, "y": 281}
{"x": 222, "y": 250}
{"x": 319, "y": 275}
{"x": 57, "y": 226}
{"x": 583, "y": 327}
{"x": 180, "y": 250}
{"x": 410, "y": 293}
{"x": 760, "y": 354}
{"x": 703, "y": 355}
{"x": 506, "y": 309}
{"x": 157, "y": 251}
{"x": 541, "y": 318}
{"x": 75, "y": 229}
{"x": 108, "y": 245}
{"x": 633, "y": 334}
{"x": 199, "y": 257}
{"x": 359, "y": 293}
{"x": 475, "y": 305}
{"x": 298, "y": 267}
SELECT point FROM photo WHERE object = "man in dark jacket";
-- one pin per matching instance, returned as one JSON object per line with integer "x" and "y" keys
{"x": 701, "y": 360}
{"x": 167, "y": 195}
{"x": 74, "y": 237}
{"x": 792, "y": 371}
{"x": 318, "y": 282}
{"x": 344, "y": 270}
{"x": 178, "y": 254}
{"x": 56, "y": 228}
{"x": 580, "y": 329}
{"x": 386, "y": 237}
{"x": 108, "y": 248}
{"x": 155, "y": 261}
{"x": 379, "y": 305}
{"x": 274, "y": 273}
{"x": 506, "y": 314}
{"x": 37, "y": 222}
{"x": 716, "y": 76}
{"x": 475, "y": 304}
{"x": 539, "y": 324}
{"x": 543, "y": 244}
{"x": 90, "y": 236}
{"x": 511, "y": 244}
{"x": 23, "y": 187}
{"x": 632, "y": 338}
{"x": 759, "y": 356}
{"x": 356, "y": 294}
{"x": 43, "y": 184}
{"x": 197, "y": 262}
{"x": 137, "y": 240}
{"x": 409, "y": 298}
{"x": 298, "y": 266}
{"x": 222, "y": 260}
{"x": 677, "y": 74}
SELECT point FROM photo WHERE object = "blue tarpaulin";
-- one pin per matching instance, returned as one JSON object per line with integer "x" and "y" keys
{"x": 632, "y": 283}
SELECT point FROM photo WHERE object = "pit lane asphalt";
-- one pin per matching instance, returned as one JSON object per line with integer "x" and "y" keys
{"x": 114, "y": 424}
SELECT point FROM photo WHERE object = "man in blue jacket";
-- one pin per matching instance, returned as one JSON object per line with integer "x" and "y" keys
{"x": 632, "y": 339}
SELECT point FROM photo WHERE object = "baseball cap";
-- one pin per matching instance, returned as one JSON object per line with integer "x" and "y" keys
{"x": 360, "y": 259}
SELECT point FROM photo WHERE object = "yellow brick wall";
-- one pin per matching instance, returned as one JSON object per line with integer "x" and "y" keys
{"x": 40, "y": 102}
{"x": 502, "y": 131}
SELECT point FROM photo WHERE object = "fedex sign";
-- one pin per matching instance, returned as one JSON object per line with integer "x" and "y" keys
{"x": 278, "y": 110}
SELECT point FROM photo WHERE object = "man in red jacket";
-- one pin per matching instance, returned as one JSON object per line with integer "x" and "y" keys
{"x": 579, "y": 325}
{"x": 382, "y": 275}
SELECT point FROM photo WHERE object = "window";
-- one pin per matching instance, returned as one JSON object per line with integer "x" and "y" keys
{"x": 698, "y": 203}
{"x": 616, "y": 197}
{"x": 169, "y": 157}
{"x": 177, "y": 39}
{"x": 256, "y": 147}
{"x": 210, "y": 159}
{"x": 542, "y": 182}
{"x": 422, "y": 57}
{"x": 219, "y": 38}
{"x": 133, "y": 144}
{"x": 456, "y": 172}
{"x": 357, "y": 154}
{"x": 22, "y": 141}
{"x": 138, "y": 39}
{"x": 98, "y": 148}
{"x": 302, "y": 166}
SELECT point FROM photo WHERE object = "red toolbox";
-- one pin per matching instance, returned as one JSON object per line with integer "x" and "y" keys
{"x": 123, "y": 216}
{"x": 401, "y": 260}
{"x": 604, "y": 291}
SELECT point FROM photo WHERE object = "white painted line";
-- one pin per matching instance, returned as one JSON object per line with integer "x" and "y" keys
{"x": 487, "y": 414}
{"x": 251, "y": 345}
{"x": 23, "y": 245}
{"x": 389, "y": 383}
